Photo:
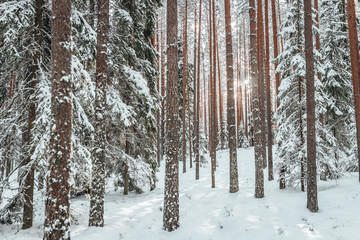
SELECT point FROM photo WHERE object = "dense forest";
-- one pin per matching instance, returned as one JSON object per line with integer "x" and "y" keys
{"x": 130, "y": 119}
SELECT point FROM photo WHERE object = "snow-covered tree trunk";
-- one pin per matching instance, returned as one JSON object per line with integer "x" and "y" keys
{"x": 171, "y": 192}
{"x": 312, "y": 202}
{"x": 259, "y": 157}
{"x": 57, "y": 219}
{"x": 96, "y": 216}
{"x": 231, "y": 121}
{"x": 29, "y": 172}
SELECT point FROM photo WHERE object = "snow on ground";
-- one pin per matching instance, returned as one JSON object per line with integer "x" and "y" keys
{"x": 212, "y": 214}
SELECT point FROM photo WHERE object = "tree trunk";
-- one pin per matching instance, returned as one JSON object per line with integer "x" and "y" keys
{"x": 268, "y": 94}
{"x": 221, "y": 103}
{"x": 57, "y": 217}
{"x": 260, "y": 58}
{"x": 259, "y": 157}
{"x": 163, "y": 71}
{"x": 158, "y": 123}
{"x": 171, "y": 194}
{"x": 213, "y": 133}
{"x": 312, "y": 202}
{"x": 275, "y": 42}
{"x": 355, "y": 69}
{"x": 234, "y": 181}
{"x": 197, "y": 102}
{"x": 246, "y": 76}
{"x": 184, "y": 90}
{"x": 29, "y": 176}
{"x": 96, "y": 216}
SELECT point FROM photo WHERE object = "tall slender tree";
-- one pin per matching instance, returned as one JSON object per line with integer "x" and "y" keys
{"x": 259, "y": 157}
{"x": 355, "y": 69}
{"x": 184, "y": 89}
{"x": 197, "y": 102}
{"x": 312, "y": 202}
{"x": 261, "y": 75}
{"x": 268, "y": 92}
{"x": 57, "y": 211}
{"x": 171, "y": 192}
{"x": 234, "y": 181}
{"x": 29, "y": 178}
{"x": 96, "y": 216}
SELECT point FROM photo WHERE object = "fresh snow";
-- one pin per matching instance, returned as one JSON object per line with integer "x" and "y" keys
{"x": 207, "y": 213}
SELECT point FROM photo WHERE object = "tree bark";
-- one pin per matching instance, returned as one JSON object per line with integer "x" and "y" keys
{"x": 355, "y": 69}
{"x": 57, "y": 217}
{"x": 260, "y": 58}
{"x": 171, "y": 193}
{"x": 234, "y": 181}
{"x": 184, "y": 89}
{"x": 197, "y": 102}
{"x": 268, "y": 94}
{"x": 259, "y": 157}
{"x": 275, "y": 42}
{"x": 29, "y": 176}
{"x": 312, "y": 202}
{"x": 96, "y": 216}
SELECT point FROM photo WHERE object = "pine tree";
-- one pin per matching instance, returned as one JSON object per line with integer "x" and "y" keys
{"x": 259, "y": 157}
{"x": 57, "y": 211}
{"x": 312, "y": 202}
{"x": 96, "y": 216}
{"x": 337, "y": 85}
{"x": 290, "y": 134}
{"x": 234, "y": 181}
{"x": 171, "y": 194}
{"x": 355, "y": 70}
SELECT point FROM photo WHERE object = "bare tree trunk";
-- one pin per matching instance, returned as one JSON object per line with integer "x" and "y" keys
{"x": 246, "y": 75}
{"x": 158, "y": 123}
{"x": 260, "y": 57}
{"x": 234, "y": 181}
{"x": 279, "y": 11}
{"x": 184, "y": 90}
{"x": 29, "y": 175}
{"x": 221, "y": 103}
{"x": 57, "y": 217}
{"x": 163, "y": 71}
{"x": 275, "y": 42}
{"x": 355, "y": 69}
{"x": 171, "y": 194}
{"x": 213, "y": 132}
{"x": 197, "y": 102}
{"x": 96, "y": 216}
{"x": 259, "y": 157}
{"x": 268, "y": 94}
{"x": 312, "y": 201}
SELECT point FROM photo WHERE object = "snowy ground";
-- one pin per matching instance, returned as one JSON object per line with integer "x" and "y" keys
{"x": 207, "y": 213}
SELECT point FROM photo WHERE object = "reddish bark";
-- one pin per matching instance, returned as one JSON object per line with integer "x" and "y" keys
{"x": 268, "y": 94}
{"x": 184, "y": 89}
{"x": 261, "y": 74}
{"x": 96, "y": 215}
{"x": 57, "y": 217}
{"x": 355, "y": 69}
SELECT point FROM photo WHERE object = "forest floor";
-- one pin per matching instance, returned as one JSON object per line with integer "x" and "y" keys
{"x": 207, "y": 213}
